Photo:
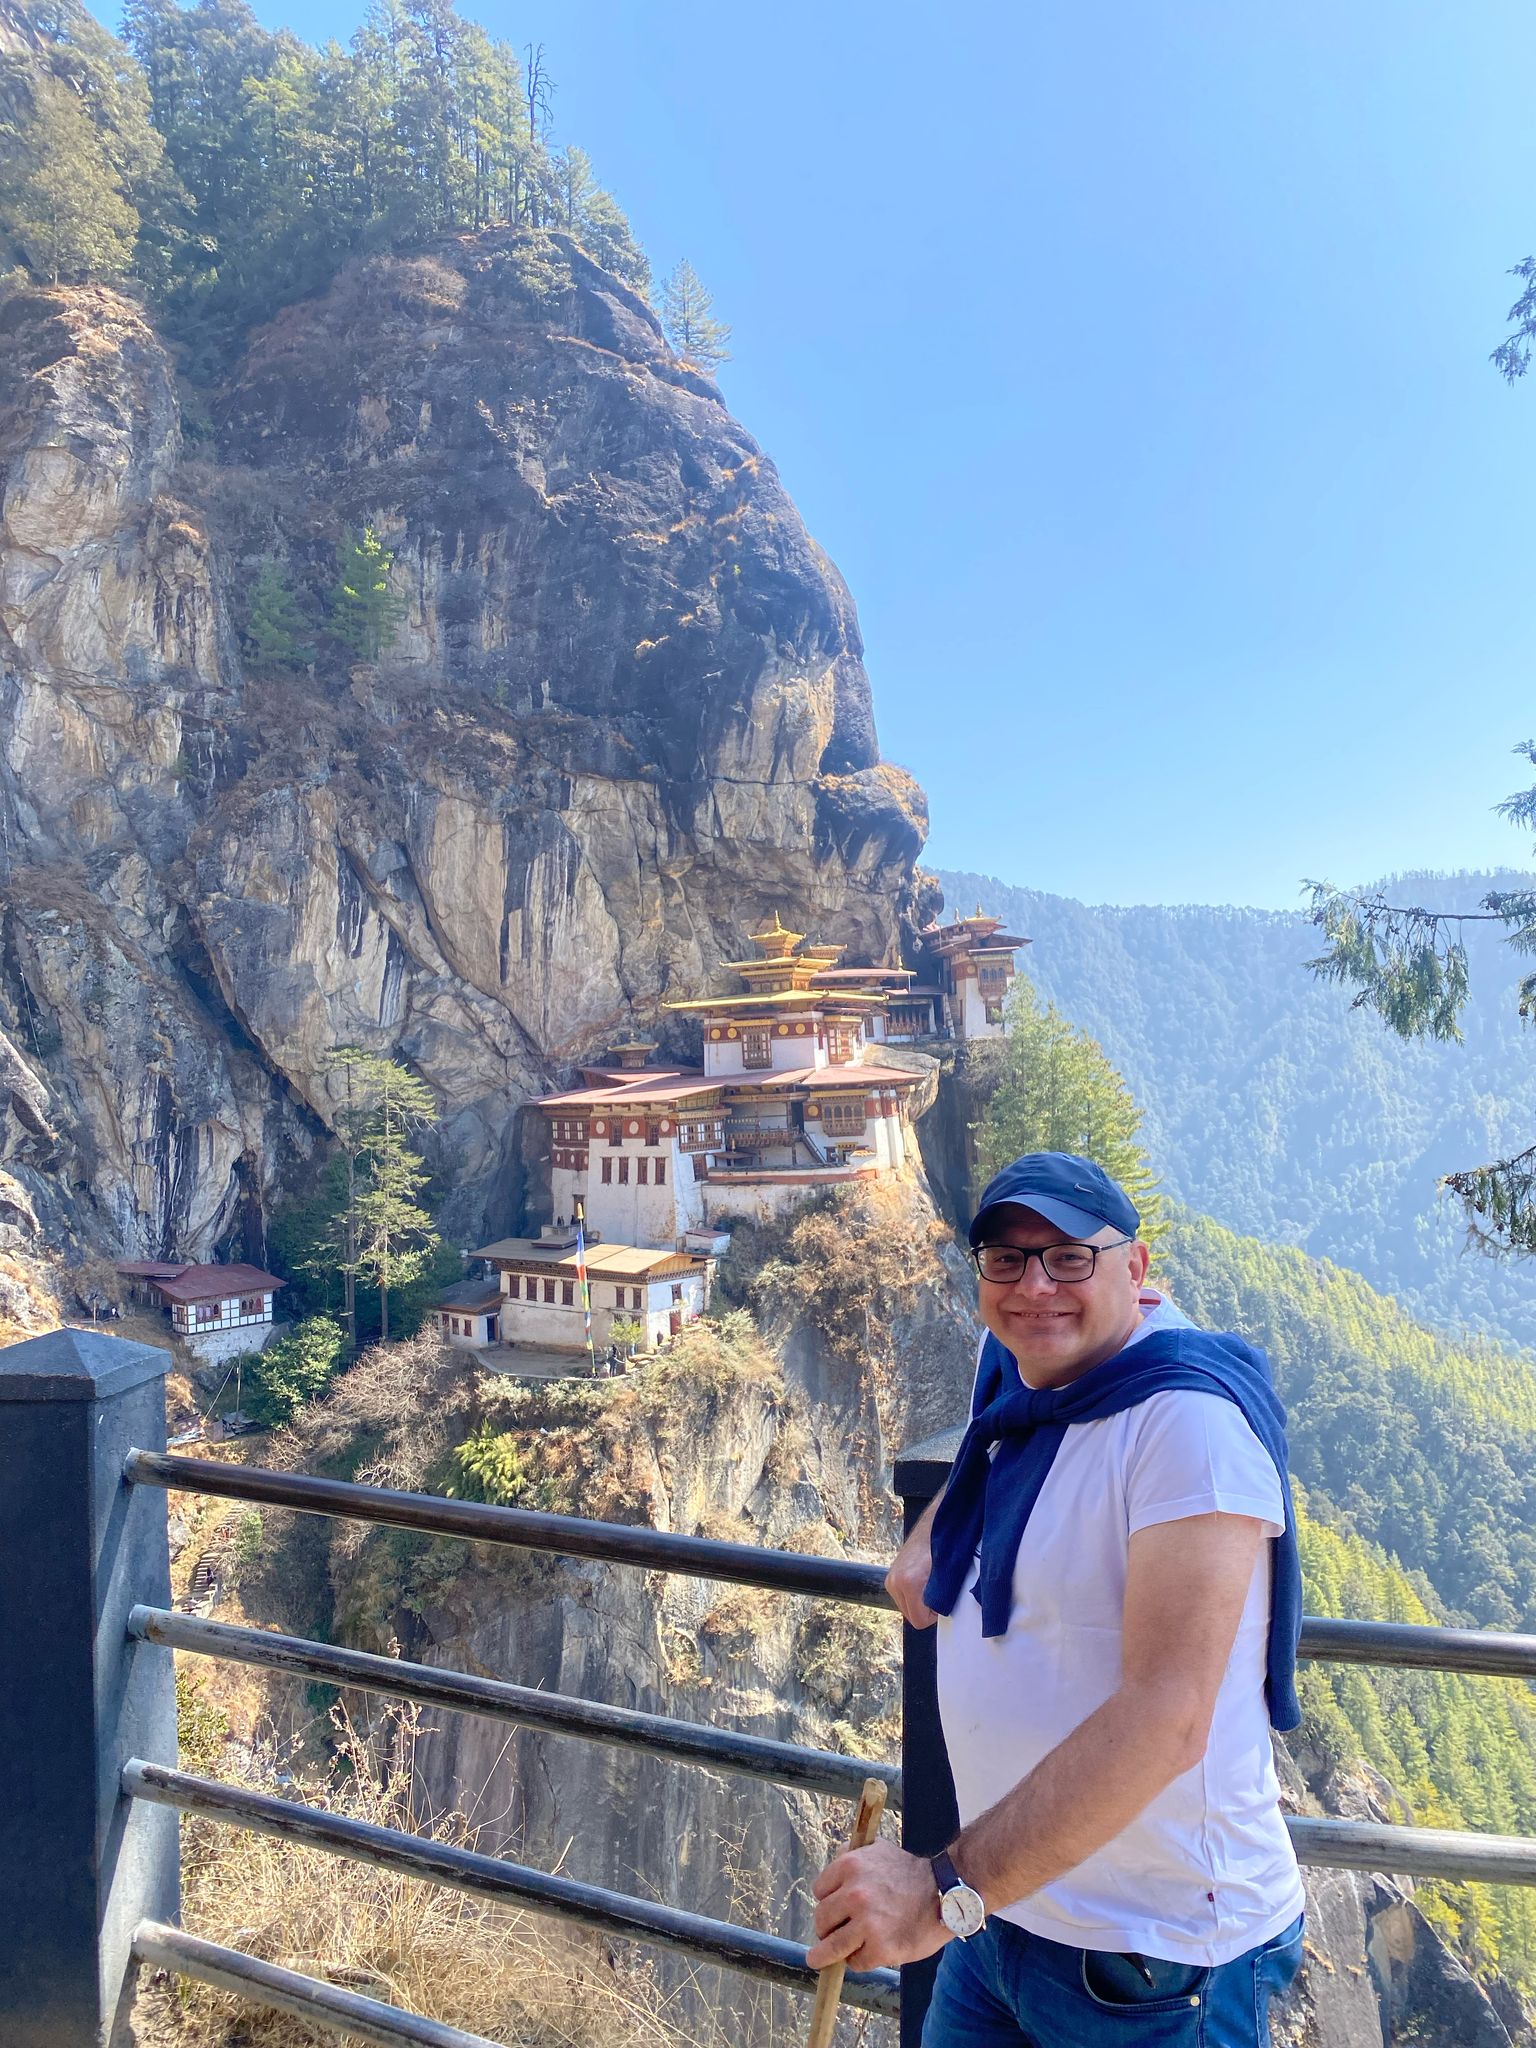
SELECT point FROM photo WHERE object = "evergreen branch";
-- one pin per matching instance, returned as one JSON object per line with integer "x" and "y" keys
{"x": 1500, "y": 1204}
{"x": 1512, "y": 357}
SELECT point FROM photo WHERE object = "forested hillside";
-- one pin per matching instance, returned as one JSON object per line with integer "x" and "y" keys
{"x": 1460, "y": 1752}
{"x": 227, "y": 169}
{"x": 1272, "y": 1106}
{"x": 1429, "y": 1445}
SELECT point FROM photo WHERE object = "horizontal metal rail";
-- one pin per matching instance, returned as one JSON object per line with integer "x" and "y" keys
{"x": 1417, "y": 1647}
{"x": 754, "y": 1756}
{"x": 613, "y": 1913}
{"x": 1413, "y": 1852}
{"x": 697, "y": 1557}
{"x": 1399, "y": 1645}
{"x": 289, "y": 1991}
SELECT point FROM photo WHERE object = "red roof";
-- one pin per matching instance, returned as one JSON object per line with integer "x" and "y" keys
{"x": 150, "y": 1269}
{"x": 626, "y": 1087}
{"x": 217, "y": 1283}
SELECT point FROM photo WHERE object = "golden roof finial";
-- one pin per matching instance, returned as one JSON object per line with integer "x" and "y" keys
{"x": 777, "y": 942}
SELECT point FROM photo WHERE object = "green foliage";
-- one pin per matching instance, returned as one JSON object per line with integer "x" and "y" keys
{"x": 66, "y": 223}
{"x": 304, "y": 1241}
{"x": 365, "y": 612}
{"x": 1461, "y": 1753}
{"x": 413, "y": 1299}
{"x": 626, "y": 1331}
{"x": 1410, "y": 965}
{"x": 250, "y": 1537}
{"x": 294, "y": 1370}
{"x": 1512, "y": 357}
{"x": 1406, "y": 963}
{"x": 688, "y": 322}
{"x": 1272, "y": 1104}
{"x": 230, "y": 168}
{"x": 276, "y": 636}
{"x": 1429, "y": 1445}
{"x": 202, "y": 1729}
{"x": 584, "y": 209}
{"x": 490, "y": 1467}
{"x": 371, "y": 1226}
{"x": 84, "y": 191}
{"x": 1049, "y": 1088}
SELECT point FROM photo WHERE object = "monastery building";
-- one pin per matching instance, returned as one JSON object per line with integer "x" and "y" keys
{"x": 973, "y": 957}
{"x": 217, "y": 1311}
{"x": 797, "y": 1091}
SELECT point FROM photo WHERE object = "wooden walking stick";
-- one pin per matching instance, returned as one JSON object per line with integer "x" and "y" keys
{"x": 829, "y": 1982}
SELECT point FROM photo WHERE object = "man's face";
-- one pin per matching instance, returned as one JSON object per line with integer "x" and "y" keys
{"x": 1057, "y": 1330}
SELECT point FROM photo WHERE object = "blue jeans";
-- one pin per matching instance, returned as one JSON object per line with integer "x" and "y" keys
{"x": 1008, "y": 1989}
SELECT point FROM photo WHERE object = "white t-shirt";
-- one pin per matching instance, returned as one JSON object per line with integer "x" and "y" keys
{"x": 1206, "y": 1871}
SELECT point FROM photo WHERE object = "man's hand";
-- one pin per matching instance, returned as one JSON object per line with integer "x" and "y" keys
{"x": 876, "y": 1908}
{"x": 908, "y": 1574}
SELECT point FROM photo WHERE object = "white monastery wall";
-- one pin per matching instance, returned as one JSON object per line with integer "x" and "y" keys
{"x": 791, "y": 1043}
{"x": 751, "y": 1201}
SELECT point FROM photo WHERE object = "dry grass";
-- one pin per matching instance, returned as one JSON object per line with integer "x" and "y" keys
{"x": 511, "y": 1976}
{"x": 28, "y": 1302}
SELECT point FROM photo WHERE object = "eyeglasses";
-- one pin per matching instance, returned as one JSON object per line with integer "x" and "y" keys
{"x": 1003, "y": 1264}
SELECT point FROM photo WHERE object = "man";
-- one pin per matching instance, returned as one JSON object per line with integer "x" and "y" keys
{"x": 1112, "y": 1571}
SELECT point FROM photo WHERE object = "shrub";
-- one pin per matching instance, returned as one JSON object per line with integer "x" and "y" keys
{"x": 294, "y": 1370}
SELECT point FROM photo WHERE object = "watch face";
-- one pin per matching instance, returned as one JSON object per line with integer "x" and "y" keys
{"x": 962, "y": 1911}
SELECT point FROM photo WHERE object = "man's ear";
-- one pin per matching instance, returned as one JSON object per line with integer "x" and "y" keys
{"x": 1141, "y": 1258}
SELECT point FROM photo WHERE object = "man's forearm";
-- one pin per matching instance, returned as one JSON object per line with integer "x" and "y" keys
{"x": 1091, "y": 1785}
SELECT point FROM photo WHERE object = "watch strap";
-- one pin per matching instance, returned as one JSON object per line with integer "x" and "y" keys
{"x": 945, "y": 1875}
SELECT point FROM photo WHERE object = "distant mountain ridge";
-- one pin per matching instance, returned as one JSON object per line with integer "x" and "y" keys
{"x": 1275, "y": 1108}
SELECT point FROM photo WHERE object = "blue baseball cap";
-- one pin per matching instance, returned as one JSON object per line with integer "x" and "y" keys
{"x": 1073, "y": 1194}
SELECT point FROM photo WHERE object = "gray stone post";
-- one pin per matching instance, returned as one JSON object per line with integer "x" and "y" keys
{"x": 80, "y": 1865}
{"x": 929, "y": 1817}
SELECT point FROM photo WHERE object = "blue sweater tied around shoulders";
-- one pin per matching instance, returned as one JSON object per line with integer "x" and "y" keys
{"x": 989, "y": 1499}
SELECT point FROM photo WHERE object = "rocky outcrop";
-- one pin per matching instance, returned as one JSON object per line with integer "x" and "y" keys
{"x": 624, "y": 718}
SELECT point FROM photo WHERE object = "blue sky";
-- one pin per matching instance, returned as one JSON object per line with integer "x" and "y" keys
{"x": 1131, "y": 363}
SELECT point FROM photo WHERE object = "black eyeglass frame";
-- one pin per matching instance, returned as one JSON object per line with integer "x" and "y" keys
{"x": 1042, "y": 1253}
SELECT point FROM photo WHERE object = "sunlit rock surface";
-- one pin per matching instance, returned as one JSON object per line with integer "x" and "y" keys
{"x": 625, "y": 717}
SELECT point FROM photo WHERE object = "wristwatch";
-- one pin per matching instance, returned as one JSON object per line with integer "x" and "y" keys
{"x": 963, "y": 1911}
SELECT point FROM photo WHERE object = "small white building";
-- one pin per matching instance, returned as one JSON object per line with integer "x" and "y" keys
{"x": 217, "y": 1311}
{"x": 467, "y": 1312}
{"x": 540, "y": 1290}
{"x": 974, "y": 958}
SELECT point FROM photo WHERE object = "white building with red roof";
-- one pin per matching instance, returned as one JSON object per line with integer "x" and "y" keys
{"x": 792, "y": 1096}
{"x": 217, "y": 1311}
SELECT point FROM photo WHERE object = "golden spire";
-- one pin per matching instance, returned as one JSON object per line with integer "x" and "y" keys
{"x": 776, "y": 944}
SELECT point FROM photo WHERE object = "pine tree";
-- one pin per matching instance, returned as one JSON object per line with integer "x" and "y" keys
{"x": 687, "y": 321}
{"x": 84, "y": 191}
{"x": 1049, "y": 1088}
{"x": 276, "y": 632}
{"x": 395, "y": 1236}
{"x": 365, "y": 612}
{"x": 377, "y": 1231}
{"x": 61, "y": 209}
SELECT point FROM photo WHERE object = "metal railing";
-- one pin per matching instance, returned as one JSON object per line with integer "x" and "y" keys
{"x": 81, "y": 1457}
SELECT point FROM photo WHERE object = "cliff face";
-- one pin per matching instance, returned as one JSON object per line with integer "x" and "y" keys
{"x": 624, "y": 717}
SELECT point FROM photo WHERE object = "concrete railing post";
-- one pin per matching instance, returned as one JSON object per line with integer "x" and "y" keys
{"x": 929, "y": 1818}
{"x": 80, "y": 1865}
